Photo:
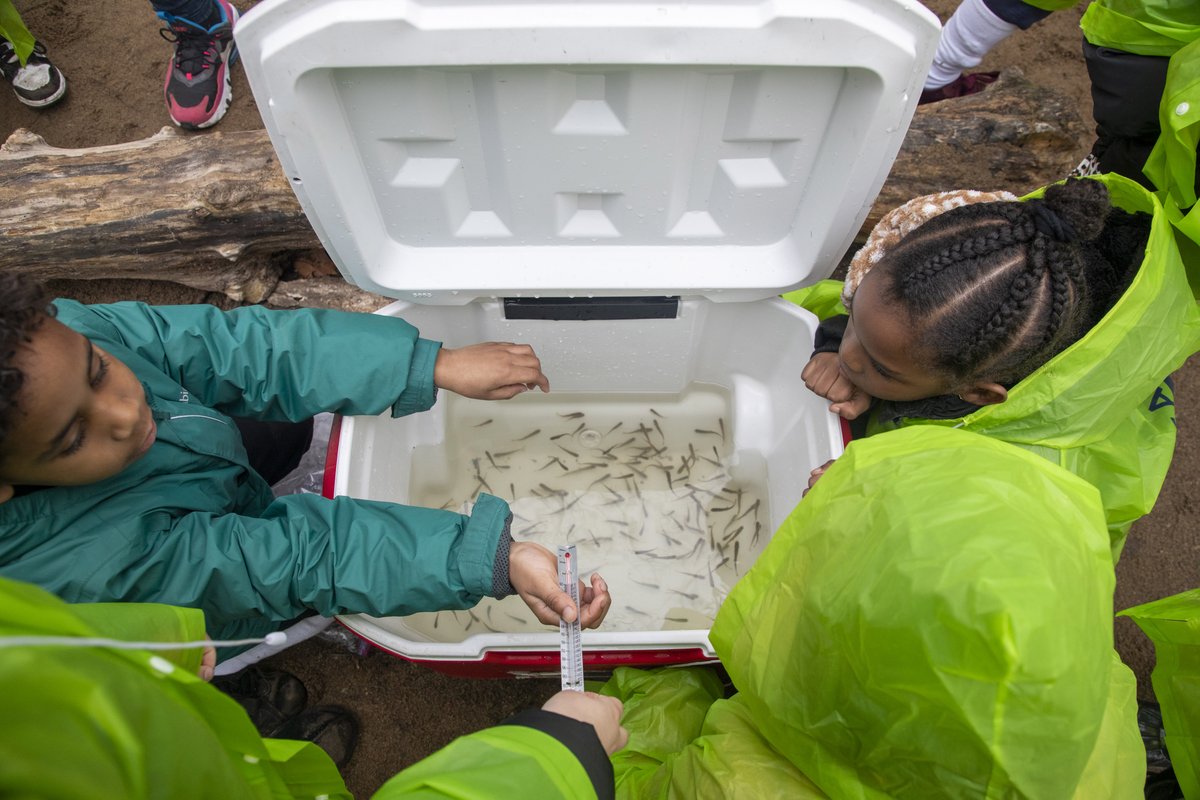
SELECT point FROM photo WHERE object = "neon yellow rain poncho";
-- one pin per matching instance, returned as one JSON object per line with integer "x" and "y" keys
{"x": 889, "y": 645}
{"x": 1101, "y": 408}
{"x": 1144, "y": 27}
{"x": 13, "y": 29}
{"x": 94, "y": 723}
{"x": 1173, "y": 624}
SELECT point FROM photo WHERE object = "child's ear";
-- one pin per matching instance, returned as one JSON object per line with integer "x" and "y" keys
{"x": 984, "y": 394}
{"x": 6, "y": 492}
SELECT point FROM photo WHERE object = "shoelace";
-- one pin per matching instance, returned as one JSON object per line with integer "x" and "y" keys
{"x": 195, "y": 50}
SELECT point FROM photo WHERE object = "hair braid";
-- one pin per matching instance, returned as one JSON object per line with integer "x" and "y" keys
{"x": 994, "y": 290}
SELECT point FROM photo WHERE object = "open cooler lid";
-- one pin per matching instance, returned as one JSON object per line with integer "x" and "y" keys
{"x": 446, "y": 150}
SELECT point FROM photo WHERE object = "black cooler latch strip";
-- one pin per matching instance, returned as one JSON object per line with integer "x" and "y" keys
{"x": 587, "y": 308}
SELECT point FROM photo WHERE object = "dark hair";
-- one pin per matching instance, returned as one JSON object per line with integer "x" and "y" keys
{"x": 995, "y": 290}
{"x": 23, "y": 307}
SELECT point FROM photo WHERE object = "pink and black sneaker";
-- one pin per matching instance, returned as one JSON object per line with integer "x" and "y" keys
{"x": 198, "y": 89}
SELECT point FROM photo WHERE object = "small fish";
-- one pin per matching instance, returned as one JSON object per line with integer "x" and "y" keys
{"x": 530, "y": 435}
{"x": 558, "y": 436}
{"x": 735, "y": 555}
{"x": 435, "y": 619}
{"x": 618, "y": 446}
{"x": 647, "y": 584}
{"x": 613, "y": 428}
{"x": 752, "y": 507}
{"x": 571, "y": 453}
{"x": 508, "y": 452}
{"x": 658, "y": 428}
{"x": 485, "y": 422}
{"x": 515, "y": 618}
{"x": 577, "y": 430}
{"x": 688, "y": 595}
{"x": 572, "y": 415}
{"x": 706, "y": 432}
{"x": 721, "y": 424}
{"x": 655, "y": 413}
{"x": 637, "y": 611}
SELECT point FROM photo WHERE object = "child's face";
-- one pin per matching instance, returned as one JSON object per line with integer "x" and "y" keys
{"x": 878, "y": 354}
{"x": 81, "y": 414}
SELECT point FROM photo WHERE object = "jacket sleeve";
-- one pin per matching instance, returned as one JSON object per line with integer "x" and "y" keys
{"x": 512, "y": 760}
{"x": 333, "y": 556}
{"x": 277, "y": 365}
{"x": 830, "y": 333}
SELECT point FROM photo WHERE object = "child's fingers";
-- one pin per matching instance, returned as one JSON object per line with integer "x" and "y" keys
{"x": 594, "y": 602}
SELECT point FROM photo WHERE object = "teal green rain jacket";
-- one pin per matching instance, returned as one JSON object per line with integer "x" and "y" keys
{"x": 95, "y": 723}
{"x": 191, "y": 524}
{"x": 911, "y": 631}
{"x": 1101, "y": 408}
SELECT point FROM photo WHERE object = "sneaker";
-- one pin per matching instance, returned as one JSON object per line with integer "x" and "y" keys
{"x": 39, "y": 83}
{"x": 198, "y": 90}
{"x": 271, "y": 697}
{"x": 332, "y": 728}
{"x": 959, "y": 87}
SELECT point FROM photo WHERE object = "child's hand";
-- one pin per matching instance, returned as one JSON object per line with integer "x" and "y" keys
{"x": 533, "y": 571}
{"x": 815, "y": 475}
{"x": 489, "y": 370}
{"x": 600, "y": 711}
{"x": 208, "y": 662}
{"x": 822, "y": 376}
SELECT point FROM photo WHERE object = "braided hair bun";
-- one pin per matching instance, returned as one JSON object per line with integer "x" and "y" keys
{"x": 1081, "y": 205}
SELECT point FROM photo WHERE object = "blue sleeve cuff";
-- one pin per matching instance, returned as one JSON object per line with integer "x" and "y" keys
{"x": 419, "y": 393}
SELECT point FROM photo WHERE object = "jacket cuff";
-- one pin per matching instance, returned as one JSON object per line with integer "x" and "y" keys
{"x": 578, "y": 737}
{"x": 486, "y": 527}
{"x": 501, "y": 577}
{"x": 830, "y": 333}
{"x": 419, "y": 392}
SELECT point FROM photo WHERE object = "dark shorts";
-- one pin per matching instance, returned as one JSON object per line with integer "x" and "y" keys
{"x": 1126, "y": 91}
{"x": 275, "y": 448}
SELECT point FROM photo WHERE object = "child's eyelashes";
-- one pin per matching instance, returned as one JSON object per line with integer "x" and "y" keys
{"x": 101, "y": 371}
{"x": 73, "y": 448}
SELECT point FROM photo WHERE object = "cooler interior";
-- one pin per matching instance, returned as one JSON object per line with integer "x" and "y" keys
{"x": 667, "y": 451}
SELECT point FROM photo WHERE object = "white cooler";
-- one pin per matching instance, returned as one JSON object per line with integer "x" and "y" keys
{"x": 626, "y": 186}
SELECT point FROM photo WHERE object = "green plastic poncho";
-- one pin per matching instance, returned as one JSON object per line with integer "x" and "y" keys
{"x": 13, "y": 29}
{"x": 1173, "y": 624}
{"x": 889, "y": 645}
{"x": 1172, "y": 162}
{"x": 96, "y": 723}
{"x": 1144, "y": 27}
{"x": 1101, "y": 408}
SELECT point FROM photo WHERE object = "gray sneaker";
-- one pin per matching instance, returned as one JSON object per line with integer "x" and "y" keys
{"x": 39, "y": 83}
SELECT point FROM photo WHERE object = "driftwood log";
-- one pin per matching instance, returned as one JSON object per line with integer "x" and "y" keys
{"x": 215, "y": 212}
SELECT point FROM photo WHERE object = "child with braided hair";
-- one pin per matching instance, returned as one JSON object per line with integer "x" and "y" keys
{"x": 1073, "y": 304}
